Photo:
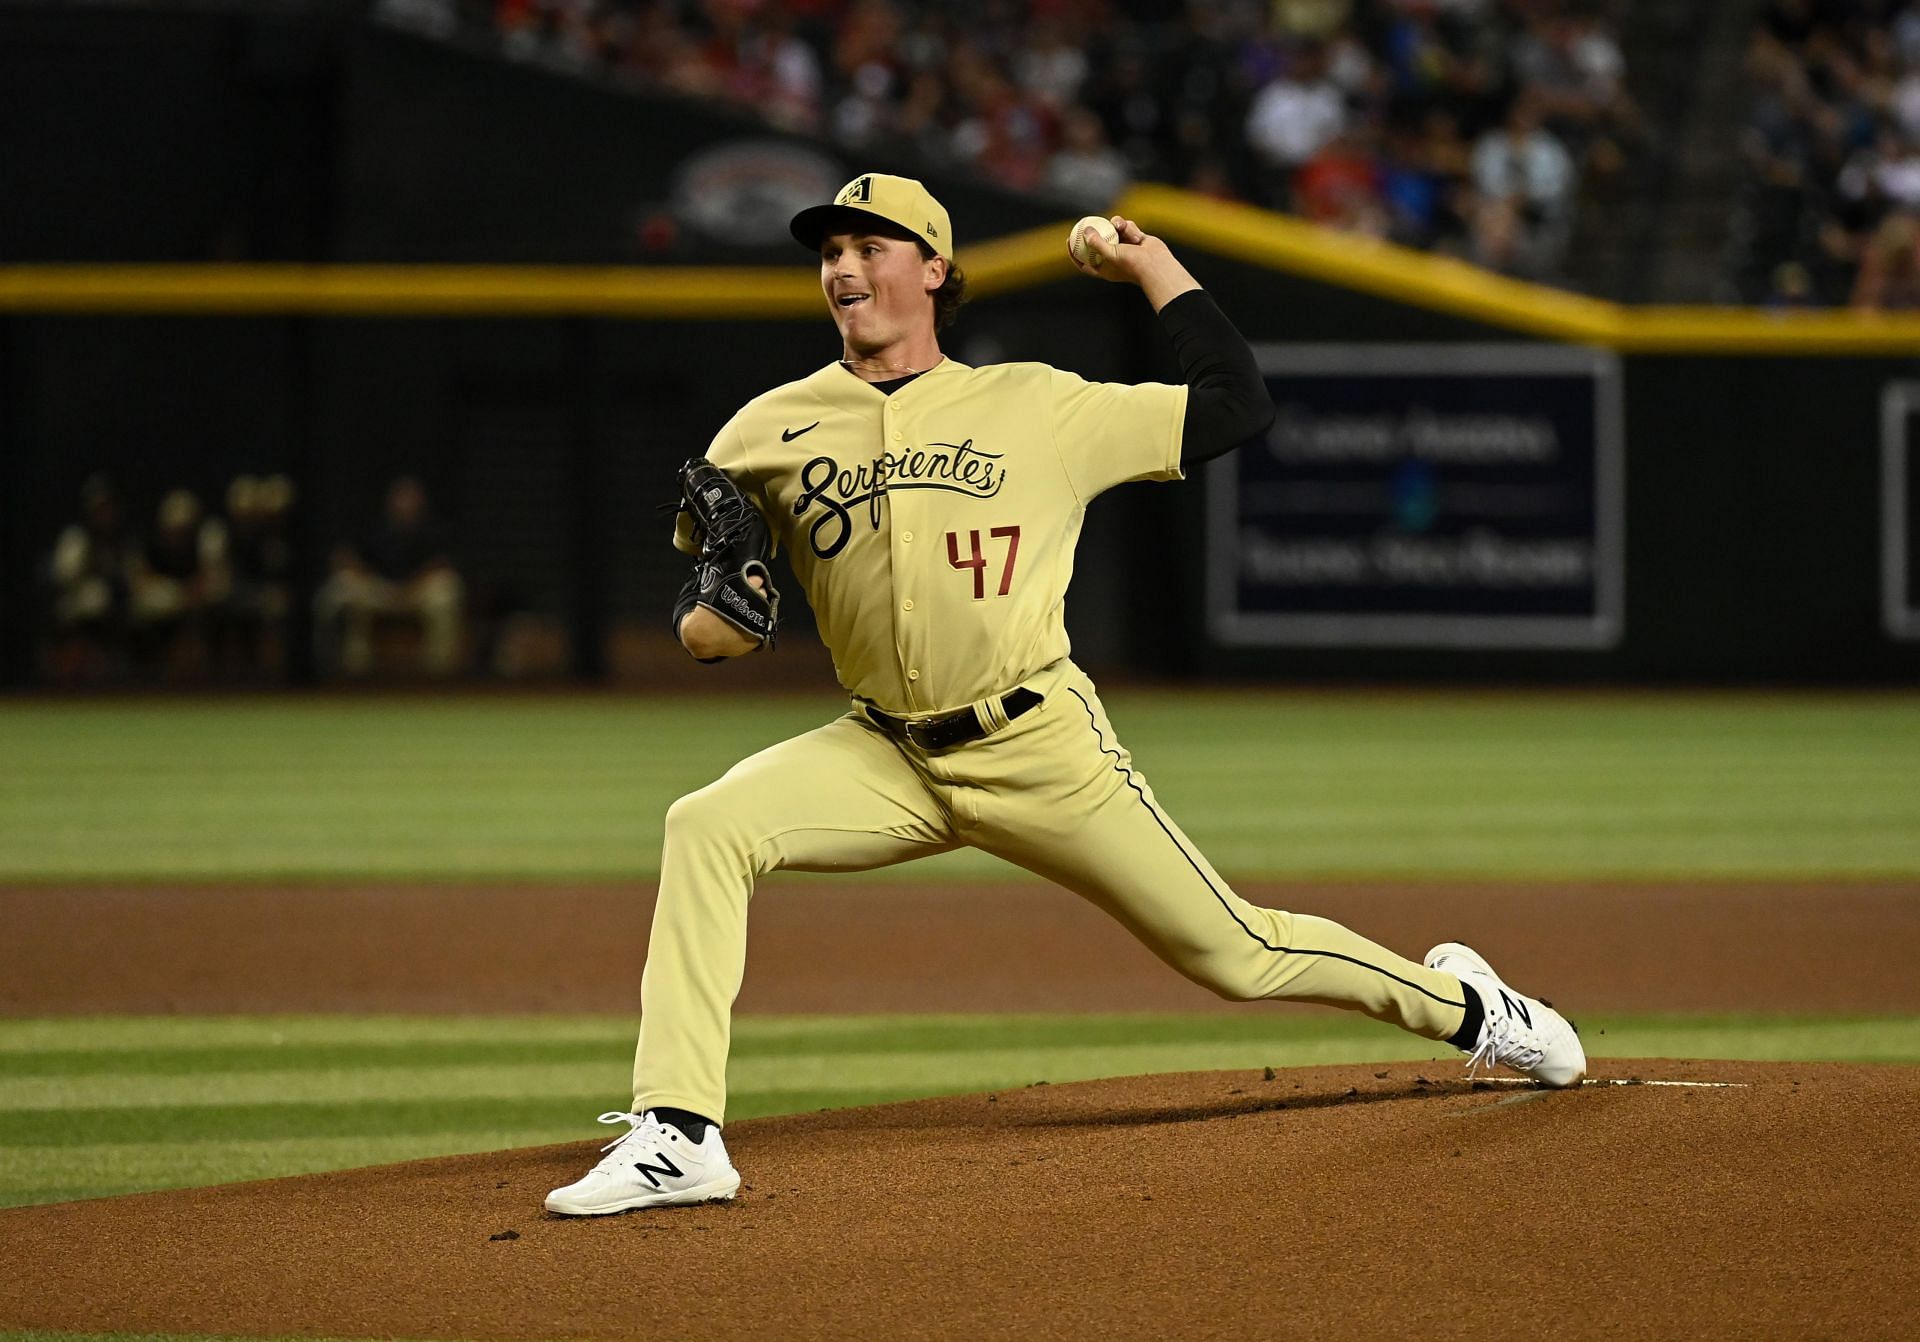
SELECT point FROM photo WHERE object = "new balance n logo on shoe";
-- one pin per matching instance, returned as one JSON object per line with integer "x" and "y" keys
{"x": 666, "y": 1167}
{"x": 1516, "y": 1007}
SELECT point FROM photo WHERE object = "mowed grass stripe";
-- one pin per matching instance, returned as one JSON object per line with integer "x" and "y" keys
{"x": 172, "y": 1046}
{"x": 84, "y": 1034}
{"x": 72, "y": 1111}
{"x": 109, "y": 1167}
{"x": 128, "y": 1064}
{"x": 186, "y": 1125}
{"x": 592, "y": 1085}
{"x": 345, "y": 1097}
{"x": 40, "y": 1335}
{"x": 574, "y": 788}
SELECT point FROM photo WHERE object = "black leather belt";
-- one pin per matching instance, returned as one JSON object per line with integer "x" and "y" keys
{"x": 953, "y": 729}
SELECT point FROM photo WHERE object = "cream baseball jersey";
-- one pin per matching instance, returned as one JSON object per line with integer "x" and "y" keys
{"x": 933, "y": 529}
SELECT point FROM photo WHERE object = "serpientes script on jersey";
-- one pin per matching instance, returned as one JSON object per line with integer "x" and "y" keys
{"x": 958, "y": 468}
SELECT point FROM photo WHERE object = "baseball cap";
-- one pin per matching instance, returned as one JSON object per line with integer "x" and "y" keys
{"x": 900, "y": 201}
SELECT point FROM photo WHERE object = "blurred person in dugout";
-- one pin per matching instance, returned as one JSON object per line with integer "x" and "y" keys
{"x": 87, "y": 581}
{"x": 252, "y": 636}
{"x": 179, "y": 581}
{"x": 400, "y": 571}
{"x": 1889, "y": 274}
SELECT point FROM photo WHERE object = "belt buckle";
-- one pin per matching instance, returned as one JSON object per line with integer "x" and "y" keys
{"x": 921, "y": 734}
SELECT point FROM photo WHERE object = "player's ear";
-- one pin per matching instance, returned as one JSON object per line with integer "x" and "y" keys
{"x": 936, "y": 272}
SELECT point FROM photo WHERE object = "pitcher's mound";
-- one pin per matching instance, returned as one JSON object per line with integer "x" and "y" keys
{"x": 1382, "y": 1201}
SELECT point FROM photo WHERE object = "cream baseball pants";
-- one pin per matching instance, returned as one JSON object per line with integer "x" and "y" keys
{"x": 1053, "y": 792}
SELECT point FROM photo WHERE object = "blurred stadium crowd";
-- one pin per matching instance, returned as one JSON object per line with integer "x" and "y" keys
{"x": 1832, "y": 207}
{"x": 1465, "y": 126}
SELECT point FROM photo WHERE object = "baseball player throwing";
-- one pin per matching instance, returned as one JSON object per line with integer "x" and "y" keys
{"x": 930, "y": 511}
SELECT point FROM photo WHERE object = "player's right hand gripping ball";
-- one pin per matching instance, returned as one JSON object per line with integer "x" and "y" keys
{"x": 1079, "y": 248}
{"x": 734, "y": 546}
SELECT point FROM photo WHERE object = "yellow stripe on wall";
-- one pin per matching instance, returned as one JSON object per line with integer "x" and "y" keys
{"x": 1003, "y": 265}
{"x": 495, "y": 291}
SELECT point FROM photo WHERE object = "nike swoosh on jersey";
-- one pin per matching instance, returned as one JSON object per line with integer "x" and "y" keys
{"x": 788, "y": 435}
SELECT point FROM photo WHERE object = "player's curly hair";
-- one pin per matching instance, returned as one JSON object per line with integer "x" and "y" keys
{"x": 951, "y": 293}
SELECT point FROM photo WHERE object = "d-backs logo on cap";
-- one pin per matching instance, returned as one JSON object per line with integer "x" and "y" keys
{"x": 857, "y": 193}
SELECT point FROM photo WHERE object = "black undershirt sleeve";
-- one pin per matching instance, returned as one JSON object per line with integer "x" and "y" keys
{"x": 1227, "y": 403}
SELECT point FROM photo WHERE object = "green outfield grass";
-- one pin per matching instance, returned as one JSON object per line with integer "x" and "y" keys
{"x": 1270, "y": 785}
{"x": 93, "y": 1107}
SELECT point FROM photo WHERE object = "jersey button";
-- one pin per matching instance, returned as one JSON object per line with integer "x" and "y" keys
{"x": 906, "y": 605}
{"x": 906, "y": 538}
{"x": 912, "y": 674}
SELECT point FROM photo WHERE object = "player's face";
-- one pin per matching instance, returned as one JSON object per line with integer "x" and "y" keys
{"x": 878, "y": 289}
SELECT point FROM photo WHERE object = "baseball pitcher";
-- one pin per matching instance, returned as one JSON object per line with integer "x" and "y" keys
{"x": 930, "y": 511}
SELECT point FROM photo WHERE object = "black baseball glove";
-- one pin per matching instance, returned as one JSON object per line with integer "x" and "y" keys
{"x": 734, "y": 545}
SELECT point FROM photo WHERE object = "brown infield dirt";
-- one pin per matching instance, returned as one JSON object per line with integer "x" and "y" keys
{"x": 1364, "y": 1201}
{"x": 819, "y": 945}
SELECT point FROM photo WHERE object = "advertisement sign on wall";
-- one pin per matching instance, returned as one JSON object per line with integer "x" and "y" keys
{"x": 1424, "y": 496}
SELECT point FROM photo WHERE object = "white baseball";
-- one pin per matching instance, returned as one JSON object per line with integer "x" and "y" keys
{"x": 1077, "y": 242}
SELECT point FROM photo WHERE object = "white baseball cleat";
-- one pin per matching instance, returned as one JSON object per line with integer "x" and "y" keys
{"x": 652, "y": 1164}
{"x": 1520, "y": 1032}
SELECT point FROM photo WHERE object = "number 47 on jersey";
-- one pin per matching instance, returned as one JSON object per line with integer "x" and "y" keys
{"x": 977, "y": 560}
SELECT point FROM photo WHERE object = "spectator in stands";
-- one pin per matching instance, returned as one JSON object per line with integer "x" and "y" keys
{"x": 400, "y": 571}
{"x": 1422, "y": 65}
{"x": 1525, "y": 182}
{"x": 1293, "y": 117}
{"x": 1130, "y": 106}
{"x": 1051, "y": 64}
{"x": 1342, "y": 186}
{"x": 1904, "y": 100}
{"x": 1088, "y": 173}
{"x": 252, "y": 629}
{"x": 1004, "y": 132}
{"x": 781, "y": 75}
{"x": 1424, "y": 180}
{"x": 1905, "y": 31}
{"x": 178, "y": 581}
{"x": 922, "y": 122}
{"x": 1319, "y": 20}
{"x": 1572, "y": 66}
{"x": 1830, "y": 148}
{"x": 866, "y": 114}
{"x": 87, "y": 574}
